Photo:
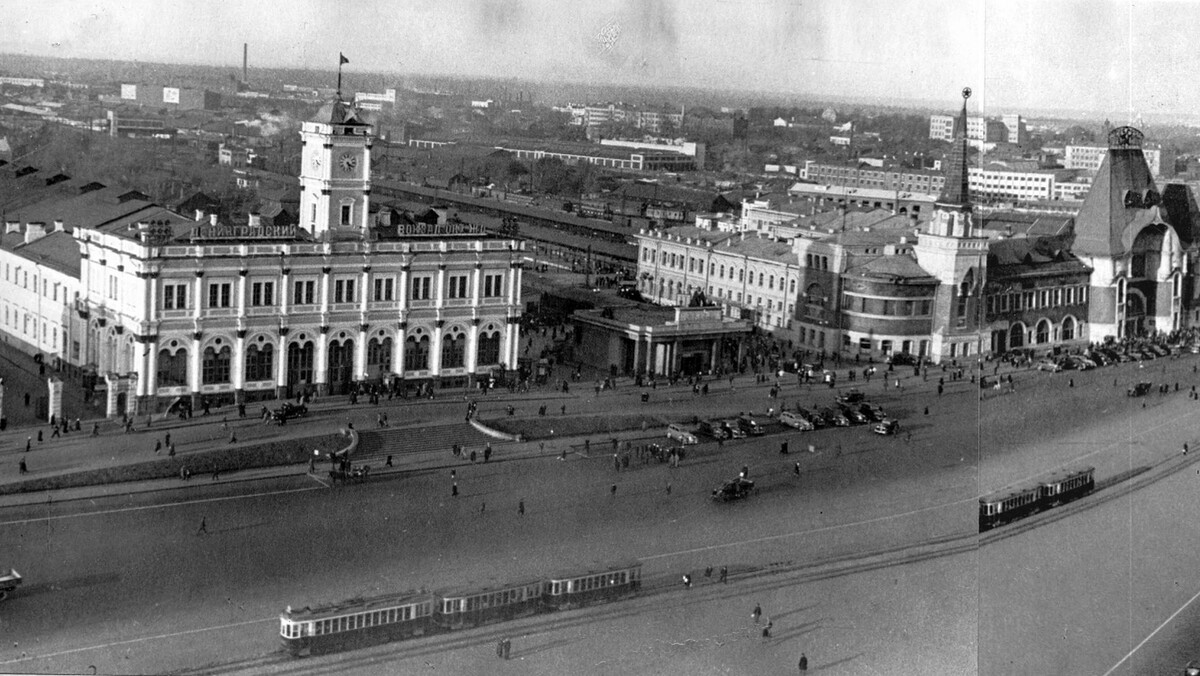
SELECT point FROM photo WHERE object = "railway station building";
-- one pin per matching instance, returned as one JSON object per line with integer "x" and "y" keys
{"x": 181, "y": 309}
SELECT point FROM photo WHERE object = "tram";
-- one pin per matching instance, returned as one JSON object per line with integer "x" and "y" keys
{"x": 1048, "y": 491}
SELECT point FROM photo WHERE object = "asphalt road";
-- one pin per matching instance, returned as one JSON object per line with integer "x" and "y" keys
{"x": 872, "y": 549}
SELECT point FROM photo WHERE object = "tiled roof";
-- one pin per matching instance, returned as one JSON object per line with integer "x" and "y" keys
{"x": 57, "y": 250}
{"x": 898, "y": 266}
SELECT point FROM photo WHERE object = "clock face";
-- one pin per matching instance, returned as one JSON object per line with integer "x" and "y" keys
{"x": 348, "y": 162}
{"x": 316, "y": 162}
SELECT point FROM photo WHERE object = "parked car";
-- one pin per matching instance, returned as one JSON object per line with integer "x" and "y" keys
{"x": 810, "y": 416}
{"x": 733, "y": 490}
{"x": 850, "y": 397}
{"x": 714, "y": 429}
{"x": 735, "y": 431}
{"x": 1159, "y": 350}
{"x": 1047, "y": 365}
{"x": 902, "y": 359}
{"x": 886, "y": 427}
{"x": 9, "y": 583}
{"x": 750, "y": 425}
{"x": 853, "y": 414}
{"x": 796, "y": 420}
{"x": 677, "y": 433}
{"x": 835, "y": 418}
{"x": 1192, "y": 668}
{"x": 873, "y": 412}
{"x": 288, "y": 411}
{"x": 1139, "y": 390}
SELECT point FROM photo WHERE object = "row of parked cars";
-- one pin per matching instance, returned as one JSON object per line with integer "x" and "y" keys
{"x": 849, "y": 409}
{"x": 1104, "y": 356}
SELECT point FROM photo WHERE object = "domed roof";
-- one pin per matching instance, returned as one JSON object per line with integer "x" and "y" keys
{"x": 338, "y": 111}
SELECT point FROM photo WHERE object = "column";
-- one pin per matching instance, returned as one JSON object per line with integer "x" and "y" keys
{"x": 198, "y": 295}
{"x": 360, "y": 354}
{"x": 285, "y": 282}
{"x": 241, "y": 294}
{"x": 281, "y": 366}
{"x": 637, "y": 354}
{"x": 321, "y": 360}
{"x": 403, "y": 293}
{"x": 367, "y": 291}
{"x": 435, "y": 347}
{"x": 324, "y": 291}
{"x": 152, "y": 369}
{"x": 440, "y": 288}
{"x": 472, "y": 361}
{"x": 676, "y": 360}
{"x": 716, "y": 355}
{"x": 194, "y": 371}
{"x": 237, "y": 369}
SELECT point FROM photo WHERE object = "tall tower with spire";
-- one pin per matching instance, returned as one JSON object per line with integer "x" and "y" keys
{"x": 952, "y": 250}
{"x": 335, "y": 172}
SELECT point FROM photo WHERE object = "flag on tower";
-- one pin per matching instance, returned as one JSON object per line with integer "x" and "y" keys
{"x": 342, "y": 59}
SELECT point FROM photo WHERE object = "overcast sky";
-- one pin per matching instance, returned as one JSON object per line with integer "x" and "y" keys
{"x": 1082, "y": 54}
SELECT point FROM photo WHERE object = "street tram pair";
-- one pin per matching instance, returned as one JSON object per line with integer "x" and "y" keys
{"x": 1020, "y": 501}
{"x": 362, "y": 622}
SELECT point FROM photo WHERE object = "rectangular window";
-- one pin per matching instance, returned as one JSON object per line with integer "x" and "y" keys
{"x": 262, "y": 294}
{"x": 384, "y": 288}
{"x": 303, "y": 292}
{"x": 347, "y": 210}
{"x": 421, "y": 287}
{"x": 175, "y": 296}
{"x": 457, "y": 286}
{"x": 219, "y": 294}
{"x": 493, "y": 286}
{"x": 343, "y": 291}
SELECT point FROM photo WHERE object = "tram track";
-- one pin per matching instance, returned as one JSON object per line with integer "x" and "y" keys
{"x": 663, "y": 591}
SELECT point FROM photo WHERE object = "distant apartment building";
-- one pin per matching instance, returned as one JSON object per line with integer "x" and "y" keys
{"x": 23, "y": 82}
{"x": 880, "y": 178}
{"x": 136, "y": 127}
{"x": 1024, "y": 186}
{"x": 177, "y": 98}
{"x": 691, "y": 149}
{"x": 980, "y": 129}
{"x": 375, "y": 101}
{"x": 596, "y": 115}
{"x": 612, "y": 157}
{"x": 1160, "y": 160}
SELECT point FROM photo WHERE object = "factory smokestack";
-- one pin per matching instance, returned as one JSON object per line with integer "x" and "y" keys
{"x": 245, "y": 60}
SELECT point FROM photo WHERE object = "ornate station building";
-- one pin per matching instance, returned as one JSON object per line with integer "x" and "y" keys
{"x": 172, "y": 309}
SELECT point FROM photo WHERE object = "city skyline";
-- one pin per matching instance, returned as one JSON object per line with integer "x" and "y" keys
{"x": 1015, "y": 54}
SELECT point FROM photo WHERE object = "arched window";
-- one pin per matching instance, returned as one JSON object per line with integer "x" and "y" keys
{"x": 260, "y": 358}
{"x": 792, "y": 286}
{"x": 454, "y": 351}
{"x": 1016, "y": 335}
{"x": 1043, "y": 332}
{"x": 741, "y": 275}
{"x": 488, "y": 351}
{"x": 379, "y": 355}
{"x": 760, "y": 279}
{"x": 172, "y": 368}
{"x": 1068, "y": 328}
{"x": 214, "y": 366}
{"x": 416, "y": 354}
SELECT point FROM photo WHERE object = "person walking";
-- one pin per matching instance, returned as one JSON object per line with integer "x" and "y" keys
{"x": 766, "y": 632}
{"x": 724, "y": 575}
{"x": 28, "y": 443}
{"x": 203, "y": 526}
{"x": 796, "y": 469}
{"x": 803, "y": 663}
{"x": 507, "y": 647}
{"x": 388, "y": 463}
{"x": 687, "y": 581}
{"x": 54, "y": 433}
{"x": 521, "y": 508}
{"x": 22, "y": 468}
{"x": 756, "y": 613}
{"x": 454, "y": 489}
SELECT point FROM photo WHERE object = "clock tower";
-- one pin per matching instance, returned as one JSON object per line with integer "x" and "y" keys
{"x": 335, "y": 172}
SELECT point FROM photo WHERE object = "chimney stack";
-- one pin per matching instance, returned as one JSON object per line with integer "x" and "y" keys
{"x": 212, "y": 219}
{"x": 255, "y": 220}
{"x": 59, "y": 226}
{"x": 200, "y": 214}
{"x": 12, "y": 226}
{"x": 34, "y": 231}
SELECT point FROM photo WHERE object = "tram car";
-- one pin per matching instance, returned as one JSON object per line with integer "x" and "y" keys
{"x": 576, "y": 589}
{"x": 356, "y": 623}
{"x": 363, "y": 622}
{"x": 1018, "y": 502}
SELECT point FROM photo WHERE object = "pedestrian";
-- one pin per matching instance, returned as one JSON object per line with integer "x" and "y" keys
{"x": 724, "y": 575}
{"x": 564, "y": 409}
{"x": 39, "y": 436}
{"x": 487, "y": 452}
{"x": 216, "y": 474}
{"x": 613, "y": 492}
{"x": 312, "y": 465}
{"x": 171, "y": 451}
{"x": 796, "y": 469}
{"x": 203, "y": 526}
{"x": 28, "y": 444}
{"x": 95, "y": 429}
{"x": 803, "y": 663}
{"x": 78, "y": 425}
{"x": 1185, "y": 448}
{"x": 454, "y": 489}
{"x": 21, "y": 468}
{"x": 507, "y": 647}
{"x": 54, "y": 433}
{"x": 687, "y": 581}
{"x": 472, "y": 456}
{"x": 521, "y": 508}
{"x": 389, "y": 462}
{"x": 783, "y": 448}
{"x": 233, "y": 437}
{"x": 500, "y": 648}
{"x": 766, "y": 632}
{"x": 669, "y": 483}
{"x": 756, "y": 613}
